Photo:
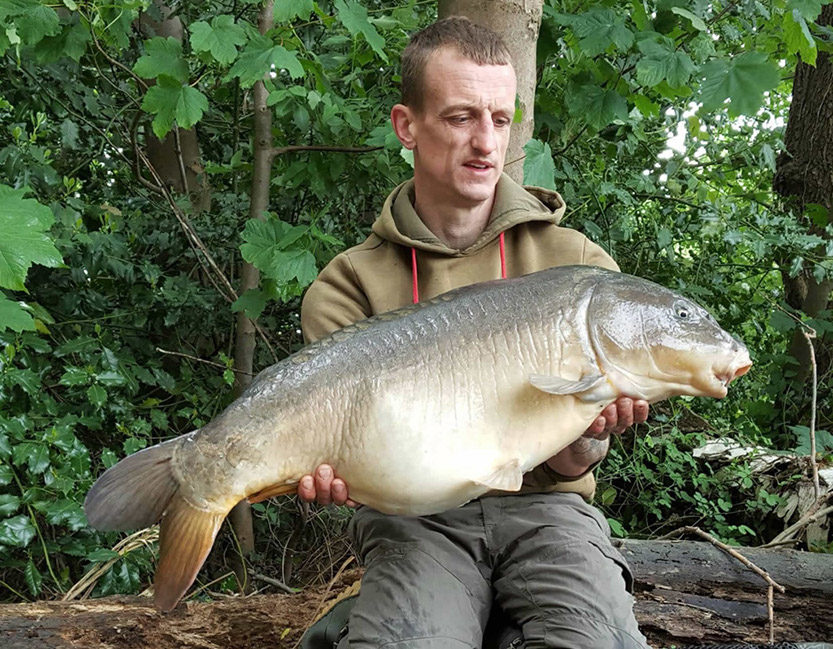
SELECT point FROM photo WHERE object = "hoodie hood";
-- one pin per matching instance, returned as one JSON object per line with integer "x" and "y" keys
{"x": 399, "y": 222}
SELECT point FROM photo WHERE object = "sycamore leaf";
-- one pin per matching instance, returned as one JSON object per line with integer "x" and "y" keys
{"x": 170, "y": 100}
{"x": 256, "y": 61}
{"x": 163, "y": 56}
{"x": 252, "y": 302}
{"x": 354, "y": 17}
{"x": 696, "y": 21}
{"x": 539, "y": 168}
{"x": 809, "y": 9}
{"x": 743, "y": 80}
{"x": 23, "y": 239}
{"x": 268, "y": 246}
{"x": 288, "y": 10}
{"x": 662, "y": 62}
{"x": 598, "y": 29}
{"x": 13, "y": 316}
{"x": 597, "y": 106}
{"x": 71, "y": 42}
{"x": 221, "y": 38}
{"x": 798, "y": 37}
{"x": 36, "y": 22}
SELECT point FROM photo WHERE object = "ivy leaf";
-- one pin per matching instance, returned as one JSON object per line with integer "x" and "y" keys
{"x": 17, "y": 532}
{"x": 598, "y": 106}
{"x": 539, "y": 168}
{"x": 288, "y": 10}
{"x": 32, "y": 578}
{"x": 257, "y": 60}
{"x": 354, "y": 17}
{"x": 8, "y": 505}
{"x": 163, "y": 56}
{"x": 170, "y": 100}
{"x": 798, "y": 37}
{"x": 14, "y": 316}
{"x": 742, "y": 80}
{"x": 598, "y": 29}
{"x": 23, "y": 242}
{"x": 221, "y": 38}
{"x": 252, "y": 302}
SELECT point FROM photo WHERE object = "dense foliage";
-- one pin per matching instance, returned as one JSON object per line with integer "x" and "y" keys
{"x": 99, "y": 280}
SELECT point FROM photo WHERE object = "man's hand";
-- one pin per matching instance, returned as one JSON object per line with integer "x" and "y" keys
{"x": 324, "y": 488}
{"x": 592, "y": 446}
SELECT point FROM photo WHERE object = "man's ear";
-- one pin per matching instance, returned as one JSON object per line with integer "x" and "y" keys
{"x": 401, "y": 117}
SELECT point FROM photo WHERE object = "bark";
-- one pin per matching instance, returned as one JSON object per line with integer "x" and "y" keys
{"x": 244, "y": 342}
{"x": 686, "y": 593}
{"x": 803, "y": 175}
{"x": 517, "y": 21}
{"x": 177, "y": 158}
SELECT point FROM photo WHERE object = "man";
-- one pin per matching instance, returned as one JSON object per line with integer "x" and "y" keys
{"x": 544, "y": 555}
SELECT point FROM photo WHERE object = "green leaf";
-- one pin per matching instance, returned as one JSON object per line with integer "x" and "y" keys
{"x": 23, "y": 242}
{"x": 221, "y": 38}
{"x": 354, "y": 17}
{"x": 163, "y": 56}
{"x": 798, "y": 37}
{"x": 97, "y": 395}
{"x": 169, "y": 100}
{"x": 13, "y": 316}
{"x": 26, "y": 379}
{"x": 252, "y": 302}
{"x": 598, "y": 29}
{"x": 102, "y": 554}
{"x": 8, "y": 505}
{"x": 257, "y": 60}
{"x": 809, "y": 9}
{"x": 6, "y": 474}
{"x": 539, "y": 168}
{"x": 696, "y": 21}
{"x": 781, "y": 322}
{"x": 76, "y": 346}
{"x": 662, "y": 62}
{"x": 17, "y": 532}
{"x": 65, "y": 512}
{"x": 32, "y": 578}
{"x": 36, "y": 22}
{"x": 597, "y": 106}
{"x": 34, "y": 454}
{"x": 647, "y": 107}
{"x": 743, "y": 81}
{"x": 70, "y": 43}
{"x": 288, "y": 10}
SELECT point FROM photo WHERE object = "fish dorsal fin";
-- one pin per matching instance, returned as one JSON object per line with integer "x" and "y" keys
{"x": 589, "y": 388}
{"x": 507, "y": 477}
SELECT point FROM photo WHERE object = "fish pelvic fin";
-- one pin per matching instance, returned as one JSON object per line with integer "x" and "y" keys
{"x": 185, "y": 539}
{"x": 271, "y": 491}
{"x": 507, "y": 477}
{"x": 590, "y": 388}
{"x": 135, "y": 492}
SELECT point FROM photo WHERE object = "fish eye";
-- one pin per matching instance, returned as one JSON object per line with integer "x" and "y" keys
{"x": 684, "y": 311}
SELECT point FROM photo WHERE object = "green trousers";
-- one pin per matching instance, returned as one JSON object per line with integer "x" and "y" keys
{"x": 545, "y": 559}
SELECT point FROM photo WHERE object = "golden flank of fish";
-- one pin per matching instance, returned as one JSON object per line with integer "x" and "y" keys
{"x": 424, "y": 408}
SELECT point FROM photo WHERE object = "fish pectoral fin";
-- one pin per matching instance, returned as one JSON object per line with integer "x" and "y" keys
{"x": 271, "y": 491}
{"x": 585, "y": 387}
{"x": 507, "y": 477}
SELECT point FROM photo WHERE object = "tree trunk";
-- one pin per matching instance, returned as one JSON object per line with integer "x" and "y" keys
{"x": 803, "y": 176}
{"x": 517, "y": 21}
{"x": 244, "y": 343}
{"x": 177, "y": 158}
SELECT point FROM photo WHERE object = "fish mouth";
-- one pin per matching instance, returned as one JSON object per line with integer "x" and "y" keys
{"x": 723, "y": 377}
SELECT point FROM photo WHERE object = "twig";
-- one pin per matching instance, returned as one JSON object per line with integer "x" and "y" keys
{"x": 277, "y": 583}
{"x": 193, "y": 593}
{"x": 136, "y": 78}
{"x": 322, "y": 147}
{"x": 809, "y": 336}
{"x": 201, "y": 360}
{"x": 810, "y": 517}
{"x": 771, "y": 583}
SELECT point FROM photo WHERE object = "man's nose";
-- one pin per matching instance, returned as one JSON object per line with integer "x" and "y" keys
{"x": 485, "y": 141}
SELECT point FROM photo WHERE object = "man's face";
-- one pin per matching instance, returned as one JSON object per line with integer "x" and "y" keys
{"x": 459, "y": 138}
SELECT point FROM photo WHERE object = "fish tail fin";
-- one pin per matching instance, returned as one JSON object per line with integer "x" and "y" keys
{"x": 185, "y": 539}
{"x": 135, "y": 492}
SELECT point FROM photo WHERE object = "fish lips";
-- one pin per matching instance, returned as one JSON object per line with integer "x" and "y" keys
{"x": 722, "y": 377}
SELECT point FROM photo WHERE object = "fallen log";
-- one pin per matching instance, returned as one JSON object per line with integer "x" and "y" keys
{"x": 687, "y": 592}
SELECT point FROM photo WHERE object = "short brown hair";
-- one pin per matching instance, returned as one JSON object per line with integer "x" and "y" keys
{"x": 473, "y": 41}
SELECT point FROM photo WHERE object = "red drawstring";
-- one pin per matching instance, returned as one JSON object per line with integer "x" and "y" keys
{"x": 414, "y": 275}
{"x": 414, "y": 267}
{"x": 502, "y": 258}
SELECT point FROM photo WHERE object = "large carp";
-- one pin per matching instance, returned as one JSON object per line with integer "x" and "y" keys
{"x": 424, "y": 408}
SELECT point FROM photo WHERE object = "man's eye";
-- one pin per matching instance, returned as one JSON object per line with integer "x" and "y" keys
{"x": 459, "y": 120}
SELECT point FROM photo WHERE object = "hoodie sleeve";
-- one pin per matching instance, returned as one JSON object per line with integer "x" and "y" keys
{"x": 334, "y": 300}
{"x": 593, "y": 255}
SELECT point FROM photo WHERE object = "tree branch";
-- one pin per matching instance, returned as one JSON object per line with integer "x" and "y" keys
{"x": 277, "y": 151}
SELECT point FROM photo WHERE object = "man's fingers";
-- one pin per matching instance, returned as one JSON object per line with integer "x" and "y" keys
{"x": 624, "y": 411}
{"x": 306, "y": 489}
{"x": 640, "y": 411}
{"x": 323, "y": 484}
{"x": 339, "y": 492}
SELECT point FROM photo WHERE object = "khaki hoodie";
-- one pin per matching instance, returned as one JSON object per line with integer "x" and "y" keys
{"x": 376, "y": 275}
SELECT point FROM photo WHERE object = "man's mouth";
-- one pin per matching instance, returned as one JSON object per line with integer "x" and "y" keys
{"x": 480, "y": 166}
